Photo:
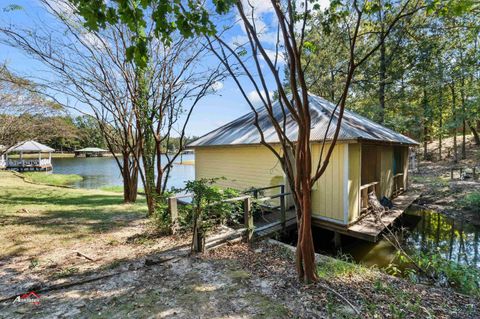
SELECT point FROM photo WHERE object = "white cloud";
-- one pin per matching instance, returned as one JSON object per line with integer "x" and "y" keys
{"x": 254, "y": 97}
{"x": 217, "y": 86}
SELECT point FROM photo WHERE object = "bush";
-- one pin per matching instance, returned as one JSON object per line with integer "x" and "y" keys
{"x": 464, "y": 278}
{"x": 208, "y": 207}
{"x": 471, "y": 202}
{"x": 161, "y": 217}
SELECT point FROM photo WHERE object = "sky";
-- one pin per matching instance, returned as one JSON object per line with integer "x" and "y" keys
{"x": 211, "y": 112}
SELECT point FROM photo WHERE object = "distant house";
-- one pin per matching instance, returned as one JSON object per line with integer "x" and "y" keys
{"x": 367, "y": 157}
{"x": 90, "y": 152}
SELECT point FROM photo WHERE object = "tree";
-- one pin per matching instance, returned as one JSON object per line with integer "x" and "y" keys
{"x": 89, "y": 132}
{"x": 24, "y": 111}
{"x": 291, "y": 20}
{"x": 86, "y": 72}
{"x": 138, "y": 107}
{"x": 166, "y": 87}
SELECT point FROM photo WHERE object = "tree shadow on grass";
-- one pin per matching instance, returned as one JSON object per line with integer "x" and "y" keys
{"x": 93, "y": 200}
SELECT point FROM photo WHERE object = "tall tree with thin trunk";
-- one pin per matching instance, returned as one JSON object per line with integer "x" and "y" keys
{"x": 292, "y": 23}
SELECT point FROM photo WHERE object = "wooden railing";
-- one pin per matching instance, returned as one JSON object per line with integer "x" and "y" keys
{"x": 398, "y": 186}
{"x": 364, "y": 191}
{"x": 247, "y": 207}
{"x": 28, "y": 162}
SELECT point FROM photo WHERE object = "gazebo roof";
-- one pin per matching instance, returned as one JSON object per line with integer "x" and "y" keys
{"x": 91, "y": 149}
{"x": 30, "y": 146}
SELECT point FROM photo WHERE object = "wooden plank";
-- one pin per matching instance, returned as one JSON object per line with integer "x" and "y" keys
{"x": 367, "y": 229}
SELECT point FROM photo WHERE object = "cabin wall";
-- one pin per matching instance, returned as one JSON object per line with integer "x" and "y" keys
{"x": 330, "y": 193}
{"x": 386, "y": 171}
{"x": 378, "y": 166}
{"x": 242, "y": 166}
{"x": 354, "y": 180}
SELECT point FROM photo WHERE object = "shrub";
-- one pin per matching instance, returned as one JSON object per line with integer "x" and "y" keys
{"x": 471, "y": 202}
{"x": 464, "y": 278}
{"x": 208, "y": 207}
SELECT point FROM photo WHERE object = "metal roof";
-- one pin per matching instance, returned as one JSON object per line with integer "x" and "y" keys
{"x": 30, "y": 146}
{"x": 242, "y": 131}
{"x": 91, "y": 149}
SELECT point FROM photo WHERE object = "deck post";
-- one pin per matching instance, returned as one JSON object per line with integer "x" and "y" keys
{"x": 283, "y": 210}
{"x": 173, "y": 210}
{"x": 248, "y": 217}
{"x": 337, "y": 239}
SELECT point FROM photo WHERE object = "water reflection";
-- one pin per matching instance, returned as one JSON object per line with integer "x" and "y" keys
{"x": 103, "y": 171}
{"x": 423, "y": 230}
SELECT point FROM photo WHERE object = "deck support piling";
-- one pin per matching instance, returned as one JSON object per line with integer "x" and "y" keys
{"x": 337, "y": 240}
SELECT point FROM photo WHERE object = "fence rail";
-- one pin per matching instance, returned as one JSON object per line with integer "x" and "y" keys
{"x": 247, "y": 201}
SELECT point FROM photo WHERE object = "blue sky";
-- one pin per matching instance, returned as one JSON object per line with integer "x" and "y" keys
{"x": 213, "y": 111}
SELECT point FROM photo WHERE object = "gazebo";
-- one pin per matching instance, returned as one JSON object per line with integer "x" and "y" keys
{"x": 90, "y": 152}
{"x": 33, "y": 164}
{"x": 3, "y": 162}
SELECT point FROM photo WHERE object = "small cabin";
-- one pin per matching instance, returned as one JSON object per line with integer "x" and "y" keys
{"x": 367, "y": 157}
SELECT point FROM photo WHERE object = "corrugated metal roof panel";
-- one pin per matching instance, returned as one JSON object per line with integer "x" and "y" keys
{"x": 243, "y": 130}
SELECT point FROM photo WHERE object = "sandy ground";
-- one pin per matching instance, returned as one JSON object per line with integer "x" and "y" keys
{"x": 239, "y": 282}
{"x": 439, "y": 191}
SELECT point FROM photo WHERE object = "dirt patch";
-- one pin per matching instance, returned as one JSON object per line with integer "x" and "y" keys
{"x": 239, "y": 282}
{"x": 439, "y": 191}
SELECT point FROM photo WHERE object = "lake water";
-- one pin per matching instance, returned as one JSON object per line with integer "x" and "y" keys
{"x": 427, "y": 231}
{"x": 418, "y": 229}
{"x": 103, "y": 171}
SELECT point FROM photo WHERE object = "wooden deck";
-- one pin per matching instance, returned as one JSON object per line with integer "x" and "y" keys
{"x": 367, "y": 228}
{"x": 269, "y": 223}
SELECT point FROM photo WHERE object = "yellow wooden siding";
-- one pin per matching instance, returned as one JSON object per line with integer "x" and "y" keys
{"x": 242, "y": 166}
{"x": 328, "y": 193}
{"x": 354, "y": 179}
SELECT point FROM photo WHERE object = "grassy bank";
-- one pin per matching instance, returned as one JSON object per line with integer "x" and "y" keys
{"x": 40, "y": 217}
{"x": 52, "y": 179}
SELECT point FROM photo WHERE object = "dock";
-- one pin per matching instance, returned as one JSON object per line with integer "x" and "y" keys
{"x": 271, "y": 223}
{"x": 269, "y": 220}
{"x": 367, "y": 228}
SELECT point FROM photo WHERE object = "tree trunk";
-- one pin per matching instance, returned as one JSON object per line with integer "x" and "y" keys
{"x": 332, "y": 85}
{"x": 454, "y": 114}
{"x": 130, "y": 180}
{"x": 464, "y": 124}
{"x": 305, "y": 248}
{"x": 440, "y": 141}
{"x": 426, "y": 136}
{"x": 475, "y": 133}
{"x": 440, "y": 121}
{"x": 382, "y": 80}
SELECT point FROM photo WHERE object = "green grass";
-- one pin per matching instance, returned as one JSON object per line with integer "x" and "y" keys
{"x": 471, "y": 202}
{"x": 337, "y": 267}
{"x": 53, "y": 179}
{"x": 116, "y": 189}
{"x": 36, "y": 218}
